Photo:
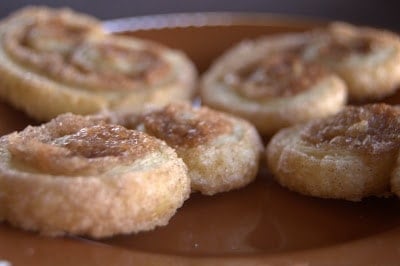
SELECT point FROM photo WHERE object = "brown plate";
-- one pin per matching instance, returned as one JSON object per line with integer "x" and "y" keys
{"x": 258, "y": 225}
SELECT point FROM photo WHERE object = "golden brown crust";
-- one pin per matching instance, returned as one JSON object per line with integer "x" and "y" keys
{"x": 372, "y": 129}
{"x": 65, "y": 59}
{"x": 181, "y": 126}
{"x": 75, "y": 175}
{"x": 351, "y": 155}
{"x": 221, "y": 151}
{"x": 269, "y": 82}
{"x": 79, "y": 146}
{"x": 280, "y": 80}
{"x": 281, "y": 74}
{"x": 367, "y": 59}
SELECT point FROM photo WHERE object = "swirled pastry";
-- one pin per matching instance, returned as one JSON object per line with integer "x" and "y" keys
{"x": 367, "y": 59}
{"x": 270, "y": 83}
{"x": 80, "y": 176}
{"x": 56, "y": 61}
{"x": 221, "y": 151}
{"x": 350, "y": 155}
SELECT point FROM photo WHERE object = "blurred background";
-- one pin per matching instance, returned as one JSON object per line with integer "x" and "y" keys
{"x": 376, "y": 13}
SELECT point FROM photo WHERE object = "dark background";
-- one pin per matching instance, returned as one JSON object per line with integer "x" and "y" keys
{"x": 377, "y": 13}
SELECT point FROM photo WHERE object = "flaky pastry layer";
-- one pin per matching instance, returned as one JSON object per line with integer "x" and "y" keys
{"x": 77, "y": 176}
{"x": 221, "y": 151}
{"x": 367, "y": 59}
{"x": 350, "y": 155}
{"x": 54, "y": 61}
{"x": 279, "y": 91}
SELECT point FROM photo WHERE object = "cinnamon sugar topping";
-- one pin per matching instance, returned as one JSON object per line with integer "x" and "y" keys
{"x": 338, "y": 48}
{"x": 280, "y": 74}
{"x": 372, "y": 128}
{"x": 180, "y": 126}
{"x": 62, "y": 148}
{"x": 105, "y": 140}
{"x": 340, "y": 40}
{"x": 69, "y": 50}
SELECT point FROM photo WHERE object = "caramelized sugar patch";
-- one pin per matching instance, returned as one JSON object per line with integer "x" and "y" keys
{"x": 61, "y": 148}
{"x": 281, "y": 74}
{"x": 338, "y": 48}
{"x": 372, "y": 128}
{"x": 106, "y": 140}
{"x": 360, "y": 45}
{"x": 180, "y": 125}
{"x": 339, "y": 41}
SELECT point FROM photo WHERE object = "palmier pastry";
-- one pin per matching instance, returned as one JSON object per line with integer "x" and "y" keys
{"x": 221, "y": 151}
{"x": 269, "y": 82}
{"x": 56, "y": 61}
{"x": 367, "y": 59}
{"x": 79, "y": 176}
{"x": 350, "y": 155}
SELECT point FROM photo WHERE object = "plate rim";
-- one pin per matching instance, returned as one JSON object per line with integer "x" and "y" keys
{"x": 201, "y": 19}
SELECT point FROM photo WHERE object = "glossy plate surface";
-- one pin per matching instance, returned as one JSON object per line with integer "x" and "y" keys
{"x": 258, "y": 225}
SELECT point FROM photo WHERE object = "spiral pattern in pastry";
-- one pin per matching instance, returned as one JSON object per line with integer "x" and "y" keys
{"x": 76, "y": 175}
{"x": 221, "y": 151}
{"x": 367, "y": 59}
{"x": 351, "y": 155}
{"x": 271, "y": 84}
{"x": 54, "y": 61}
